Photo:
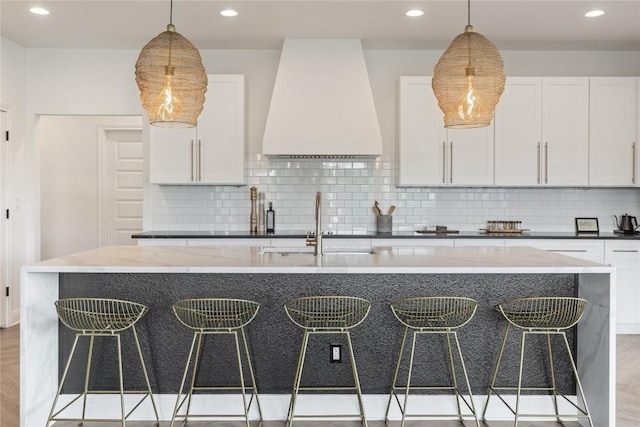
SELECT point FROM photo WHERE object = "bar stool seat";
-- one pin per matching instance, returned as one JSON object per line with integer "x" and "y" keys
{"x": 326, "y": 315}
{"x": 100, "y": 318}
{"x": 428, "y": 316}
{"x": 216, "y": 316}
{"x": 547, "y": 316}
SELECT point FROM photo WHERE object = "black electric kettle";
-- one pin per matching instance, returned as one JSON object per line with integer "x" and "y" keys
{"x": 627, "y": 223}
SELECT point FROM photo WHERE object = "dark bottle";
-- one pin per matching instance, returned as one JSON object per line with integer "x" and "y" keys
{"x": 271, "y": 219}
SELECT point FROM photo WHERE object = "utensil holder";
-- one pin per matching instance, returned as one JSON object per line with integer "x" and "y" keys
{"x": 384, "y": 223}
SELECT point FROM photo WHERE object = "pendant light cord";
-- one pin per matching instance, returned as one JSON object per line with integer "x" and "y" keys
{"x": 170, "y": 37}
{"x": 468, "y": 35}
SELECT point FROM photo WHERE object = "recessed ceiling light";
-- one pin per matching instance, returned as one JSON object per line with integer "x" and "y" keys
{"x": 594, "y": 13}
{"x": 39, "y": 11}
{"x": 229, "y": 12}
{"x": 414, "y": 12}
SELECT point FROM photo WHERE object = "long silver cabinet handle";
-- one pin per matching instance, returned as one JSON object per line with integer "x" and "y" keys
{"x": 199, "y": 160}
{"x": 538, "y": 168}
{"x": 567, "y": 250}
{"x": 633, "y": 162}
{"x": 444, "y": 162}
{"x": 451, "y": 162}
{"x": 546, "y": 163}
{"x": 625, "y": 250}
{"x": 192, "y": 160}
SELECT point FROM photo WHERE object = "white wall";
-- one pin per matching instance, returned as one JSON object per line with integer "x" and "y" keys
{"x": 12, "y": 98}
{"x": 69, "y": 147}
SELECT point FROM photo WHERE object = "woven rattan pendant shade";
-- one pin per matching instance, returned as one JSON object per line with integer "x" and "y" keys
{"x": 171, "y": 56}
{"x": 470, "y": 55}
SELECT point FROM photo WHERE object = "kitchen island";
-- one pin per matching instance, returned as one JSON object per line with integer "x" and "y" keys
{"x": 158, "y": 276}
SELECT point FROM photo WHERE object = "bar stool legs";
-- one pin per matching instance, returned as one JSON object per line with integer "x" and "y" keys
{"x": 540, "y": 316}
{"x": 100, "y": 318}
{"x": 435, "y": 316}
{"x": 216, "y": 316}
{"x": 334, "y": 315}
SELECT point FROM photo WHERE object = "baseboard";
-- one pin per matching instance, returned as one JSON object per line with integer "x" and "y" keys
{"x": 275, "y": 406}
{"x": 628, "y": 328}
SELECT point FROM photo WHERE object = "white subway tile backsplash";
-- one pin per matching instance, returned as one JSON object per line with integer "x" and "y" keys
{"x": 350, "y": 188}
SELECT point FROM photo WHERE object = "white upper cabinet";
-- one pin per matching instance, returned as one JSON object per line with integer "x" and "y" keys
{"x": 212, "y": 153}
{"x": 172, "y": 154}
{"x": 470, "y": 157}
{"x": 612, "y": 131}
{"x": 565, "y": 131}
{"x": 433, "y": 155}
{"x": 421, "y": 134}
{"x": 518, "y": 132}
{"x": 636, "y": 151}
{"x": 542, "y": 132}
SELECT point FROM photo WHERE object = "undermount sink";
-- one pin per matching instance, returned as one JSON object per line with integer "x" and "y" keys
{"x": 304, "y": 250}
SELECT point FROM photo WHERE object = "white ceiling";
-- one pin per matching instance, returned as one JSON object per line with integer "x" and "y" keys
{"x": 380, "y": 24}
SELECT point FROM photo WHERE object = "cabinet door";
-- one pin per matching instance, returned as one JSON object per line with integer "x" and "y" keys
{"x": 612, "y": 130}
{"x": 589, "y": 250}
{"x": 636, "y": 145}
{"x": 172, "y": 155}
{"x": 518, "y": 132}
{"x": 565, "y": 130}
{"x": 459, "y": 243}
{"x": 421, "y": 134}
{"x": 418, "y": 242}
{"x": 221, "y": 131}
{"x": 625, "y": 256}
{"x": 471, "y": 156}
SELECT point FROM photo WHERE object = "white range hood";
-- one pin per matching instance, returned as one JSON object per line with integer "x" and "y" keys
{"x": 322, "y": 105}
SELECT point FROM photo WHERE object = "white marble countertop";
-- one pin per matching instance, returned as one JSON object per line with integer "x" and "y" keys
{"x": 169, "y": 259}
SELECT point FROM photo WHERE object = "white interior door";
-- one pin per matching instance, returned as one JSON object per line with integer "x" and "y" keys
{"x": 121, "y": 186}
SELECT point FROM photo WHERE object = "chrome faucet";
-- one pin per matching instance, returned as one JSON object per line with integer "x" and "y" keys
{"x": 315, "y": 240}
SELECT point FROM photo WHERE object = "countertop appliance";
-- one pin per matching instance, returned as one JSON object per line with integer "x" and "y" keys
{"x": 627, "y": 224}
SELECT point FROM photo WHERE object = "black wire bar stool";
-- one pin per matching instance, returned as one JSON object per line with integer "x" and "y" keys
{"x": 100, "y": 318}
{"x": 428, "y": 316}
{"x": 326, "y": 315}
{"x": 544, "y": 316}
{"x": 216, "y": 316}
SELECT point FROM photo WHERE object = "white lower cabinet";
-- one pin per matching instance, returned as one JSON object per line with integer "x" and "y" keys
{"x": 230, "y": 241}
{"x": 417, "y": 242}
{"x": 625, "y": 256}
{"x": 590, "y": 250}
{"x": 162, "y": 242}
{"x": 479, "y": 242}
{"x": 355, "y": 243}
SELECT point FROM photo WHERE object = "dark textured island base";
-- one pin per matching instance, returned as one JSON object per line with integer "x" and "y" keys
{"x": 275, "y": 341}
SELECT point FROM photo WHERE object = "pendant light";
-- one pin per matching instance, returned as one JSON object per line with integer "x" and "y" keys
{"x": 469, "y": 79}
{"x": 171, "y": 79}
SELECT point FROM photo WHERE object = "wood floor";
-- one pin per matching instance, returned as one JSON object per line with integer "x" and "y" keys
{"x": 627, "y": 380}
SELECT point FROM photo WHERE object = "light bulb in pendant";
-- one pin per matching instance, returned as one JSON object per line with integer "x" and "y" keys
{"x": 169, "y": 105}
{"x": 470, "y": 106}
